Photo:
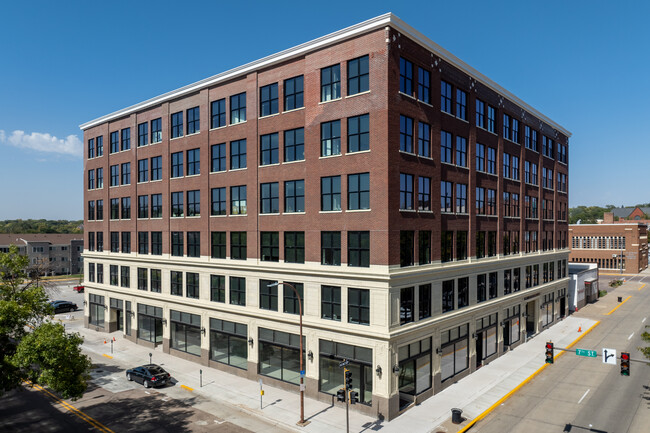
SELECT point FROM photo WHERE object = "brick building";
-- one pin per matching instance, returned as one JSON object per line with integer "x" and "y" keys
{"x": 419, "y": 207}
{"x": 620, "y": 246}
{"x": 53, "y": 253}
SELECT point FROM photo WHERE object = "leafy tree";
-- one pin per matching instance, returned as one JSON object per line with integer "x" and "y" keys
{"x": 41, "y": 226}
{"x": 31, "y": 346}
{"x": 645, "y": 350}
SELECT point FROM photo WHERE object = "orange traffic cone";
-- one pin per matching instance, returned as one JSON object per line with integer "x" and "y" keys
{"x": 580, "y": 328}
{"x": 114, "y": 339}
{"x": 104, "y": 341}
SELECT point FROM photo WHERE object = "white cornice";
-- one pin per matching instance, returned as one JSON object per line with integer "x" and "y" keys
{"x": 379, "y": 22}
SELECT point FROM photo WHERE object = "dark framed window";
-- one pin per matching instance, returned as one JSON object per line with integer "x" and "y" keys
{"x": 461, "y": 198}
{"x": 294, "y": 93}
{"x": 156, "y": 206}
{"x": 115, "y": 208}
{"x": 424, "y": 193}
{"x": 330, "y": 303}
{"x": 269, "y": 149}
{"x": 406, "y": 305}
{"x": 218, "y": 202}
{"x": 91, "y": 148}
{"x": 290, "y": 300}
{"x": 481, "y": 288}
{"x": 100, "y": 177}
{"x": 177, "y": 244}
{"x": 192, "y": 285}
{"x": 126, "y": 242}
{"x": 177, "y": 204}
{"x": 406, "y": 191}
{"x": 115, "y": 175}
{"x": 461, "y": 151}
{"x": 330, "y": 193}
{"x": 406, "y": 246}
{"x": 229, "y": 343}
{"x": 359, "y": 249}
{"x": 114, "y": 278}
{"x": 177, "y": 164}
{"x": 218, "y": 245}
{"x": 91, "y": 179}
{"x": 405, "y": 134}
{"x": 330, "y": 83}
{"x": 126, "y": 173}
{"x": 217, "y": 288}
{"x": 238, "y": 245}
{"x": 185, "y": 332}
{"x": 491, "y": 160}
{"x": 126, "y": 208}
{"x": 193, "y": 120}
{"x": 100, "y": 273}
{"x": 143, "y": 170}
{"x": 143, "y": 206}
{"x": 218, "y": 113}
{"x": 445, "y": 147}
{"x": 294, "y": 247}
{"x": 359, "y": 306}
{"x": 150, "y": 323}
{"x": 405, "y": 76}
{"x": 358, "y": 133}
{"x": 238, "y": 108}
{"x": 156, "y": 130}
{"x": 445, "y": 97}
{"x": 270, "y": 246}
{"x": 331, "y": 248}
{"x": 455, "y": 351}
{"x": 238, "y": 200}
{"x": 269, "y": 100}
{"x": 218, "y": 157}
{"x": 359, "y": 191}
{"x": 424, "y": 139}
{"x": 115, "y": 141}
{"x": 446, "y": 197}
{"x": 358, "y": 75}
{"x": 91, "y": 210}
{"x": 125, "y": 143}
{"x": 268, "y": 295}
{"x": 177, "y": 124}
{"x": 143, "y": 242}
{"x": 100, "y": 210}
{"x": 461, "y": 104}
{"x": 480, "y": 113}
{"x": 156, "y": 243}
{"x": 424, "y": 247}
{"x": 156, "y": 168}
{"x": 193, "y": 244}
{"x": 125, "y": 276}
{"x": 193, "y": 162}
{"x": 424, "y": 294}
{"x": 294, "y": 145}
{"x": 100, "y": 145}
{"x": 492, "y": 119}
{"x": 294, "y": 196}
{"x": 424, "y": 84}
{"x": 448, "y": 295}
{"x": 176, "y": 287}
{"x": 238, "y": 154}
{"x": 330, "y": 138}
{"x": 237, "y": 291}
{"x": 194, "y": 203}
{"x": 447, "y": 246}
{"x": 269, "y": 198}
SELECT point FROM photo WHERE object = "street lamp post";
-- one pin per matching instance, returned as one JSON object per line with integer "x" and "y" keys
{"x": 302, "y": 422}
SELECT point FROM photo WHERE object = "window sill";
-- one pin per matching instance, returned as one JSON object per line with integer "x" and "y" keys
{"x": 293, "y": 162}
{"x": 237, "y": 123}
{"x": 193, "y": 175}
{"x": 218, "y": 216}
{"x": 238, "y": 215}
{"x": 155, "y": 180}
{"x": 330, "y": 211}
{"x": 217, "y": 128}
{"x": 177, "y": 177}
{"x": 294, "y": 110}
{"x": 220, "y": 171}
{"x": 270, "y": 213}
{"x": 357, "y": 210}
{"x": 269, "y": 165}
{"x": 407, "y": 153}
{"x": 331, "y": 100}
{"x": 408, "y": 210}
{"x": 462, "y": 120}
{"x": 237, "y": 169}
{"x": 192, "y": 134}
{"x": 176, "y": 138}
{"x": 294, "y": 213}
{"x": 407, "y": 95}
{"x": 268, "y": 116}
{"x": 358, "y": 152}
{"x": 365, "y": 92}
{"x": 329, "y": 156}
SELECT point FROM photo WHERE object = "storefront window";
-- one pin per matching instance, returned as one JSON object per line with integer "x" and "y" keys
{"x": 454, "y": 345}
{"x": 186, "y": 332}
{"x": 229, "y": 343}
{"x": 415, "y": 367}
{"x": 96, "y": 307}
{"x": 360, "y": 365}
{"x": 280, "y": 355}
{"x": 150, "y": 323}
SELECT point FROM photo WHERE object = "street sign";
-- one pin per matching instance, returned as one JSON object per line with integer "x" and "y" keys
{"x": 587, "y": 353}
{"x": 609, "y": 356}
{"x": 344, "y": 363}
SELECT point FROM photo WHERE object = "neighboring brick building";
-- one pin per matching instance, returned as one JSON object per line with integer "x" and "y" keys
{"x": 420, "y": 207}
{"x": 624, "y": 215}
{"x": 55, "y": 254}
{"x": 604, "y": 244}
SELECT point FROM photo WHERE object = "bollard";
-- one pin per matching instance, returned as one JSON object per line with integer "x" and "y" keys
{"x": 456, "y": 417}
{"x": 200, "y": 378}
{"x": 620, "y": 299}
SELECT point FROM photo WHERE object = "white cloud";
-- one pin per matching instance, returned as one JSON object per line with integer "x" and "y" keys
{"x": 71, "y": 145}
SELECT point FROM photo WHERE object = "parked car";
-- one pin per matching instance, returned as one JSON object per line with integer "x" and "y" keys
{"x": 79, "y": 289}
{"x": 150, "y": 375}
{"x": 63, "y": 306}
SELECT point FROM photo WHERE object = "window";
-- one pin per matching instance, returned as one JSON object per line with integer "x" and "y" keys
{"x": 406, "y": 191}
{"x": 461, "y": 151}
{"x": 492, "y": 244}
{"x": 217, "y": 288}
{"x": 218, "y": 245}
{"x": 359, "y": 249}
{"x": 100, "y": 210}
{"x": 506, "y": 165}
{"x": 405, "y": 134}
{"x": 268, "y": 295}
{"x": 156, "y": 243}
{"x": 446, "y": 198}
{"x": 491, "y": 160}
{"x": 238, "y": 108}
{"x": 480, "y": 113}
{"x": 238, "y": 154}
{"x": 480, "y": 157}
{"x": 156, "y": 130}
{"x": 177, "y": 124}
{"x": 424, "y": 247}
{"x": 269, "y": 198}
{"x": 269, "y": 149}
{"x": 294, "y": 196}
{"x": 115, "y": 175}
{"x": 424, "y": 83}
{"x": 491, "y": 202}
{"x": 491, "y": 119}
{"x": 359, "y": 306}
{"x": 115, "y": 142}
{"x": 156, "y": 168}
{"x": 269, "y": 100}
{"x": 143, "y": 242}
{"x": 177, "y": 204}
{"x": 461, "y": 245}
{"x": 125, "y": 276}
{"x": 100, "y": 178}
{"x": 91, "y": 210}
{"x": 115, "y": 208}
{"x": 143, "y": 206}
{"x": 330, "y": 193}
{"x": 126, "y": 208}
{"x": 218, "y": 157}
{"x": 461, "y": 104}
{"x": 515, "y": 167}
{"x": 143, "y": 170}
{"x": 91, "y": 148}
{"x": 218, "y": 202}
{"x": 424, "y": 193}
{"x": 506, "y": 126}
{"x": 126, "y": 139}
{"x": 100, "y": 248}
{"x": 270, "y": 246}
{"x": 331, "y": 248}
{"x": 237, "y": 291}
{"x": 291, "y": 303}
{"x": 463, "y": 292}
{"x": 425, "y": 301}
{"x": 445, "y": 147}
{"x": 156, "y": 205}
{"x": 406, "y": 245}
{"x": 193, "y": 244}
{"x": 358, "y": 75}
{"x": 91, "y": 179}
{"x": 294, "y": 247}
{"x": 461, "y": 198}
{"x": 193, "y": 162}
{"x": 514, "y": 136}
{"x": 480, "y": 201}
{"x": 218, "y": 112}
{"x": 126, "y": 173}
{"x": 330, "y": 138}
{"x": 358, "y": 133}
{"x": 294, "y": 145}
{"x": 448, "y": 295}
{"x": 481, "y": 288}
{"x": 177, "y": 244}
{"x": 331, "y": 303}
{"x": 114, "y": 279}
{"x": 100, "y": 145}
{"x": 293, "y": 93}
{"x": 359, "y": 191}
{"x": 406, "y": 305}
{"x": 330, "y": 83}
{"x": 424, "y": 139}
{"x": 186, "y": 332}
{"x": 238, "y": 200}
{"x": 238, "y": 245}
{"x": 192, "y": 285}
{"x": 405, "y": 76}
{"x": 177, "y": 164}
{"x": 445, "y": 97}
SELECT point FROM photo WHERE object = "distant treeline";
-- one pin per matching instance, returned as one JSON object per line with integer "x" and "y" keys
{"x": 589, "y": 214}
{"x": 41, "y": 226}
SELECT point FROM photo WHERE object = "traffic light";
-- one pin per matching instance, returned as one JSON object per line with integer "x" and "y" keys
{"x": 625, "y": 363}
{"x": 549, "y": 353}
{"x": 340, "y": 395}
{"x": 348, "y": 379}
{"x": 354, "y": 397}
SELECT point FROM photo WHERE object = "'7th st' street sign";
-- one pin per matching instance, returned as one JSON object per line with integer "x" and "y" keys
{"x": 587, "y": 353}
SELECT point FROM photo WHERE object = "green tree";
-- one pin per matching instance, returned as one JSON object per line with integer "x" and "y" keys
{"x": 645, "y": 350}
{"x": 31, "y": 346}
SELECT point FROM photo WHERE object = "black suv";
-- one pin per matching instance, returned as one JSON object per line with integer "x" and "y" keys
{"x": 63, "y": 306}
{"x": 149, "y": 375}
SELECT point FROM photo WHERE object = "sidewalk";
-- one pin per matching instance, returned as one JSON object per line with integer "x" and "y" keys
{"x": 474, "y": 394}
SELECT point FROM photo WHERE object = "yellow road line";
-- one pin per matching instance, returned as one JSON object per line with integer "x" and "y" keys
{"x": 90, "y": 420}
{"x": 187, "y": 388}
{"x": 528, "y": 379}
{"x": 642, "y": 286}
{"x": 626, "y": 299}
{"x": 108, "y": 356}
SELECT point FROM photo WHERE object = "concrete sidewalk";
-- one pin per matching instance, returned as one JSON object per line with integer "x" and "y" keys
{"x": 474, "y": 394}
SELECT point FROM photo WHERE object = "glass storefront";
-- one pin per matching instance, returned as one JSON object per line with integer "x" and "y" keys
{"x": 150, "y": 325}
{"x": 186, "y": 332}
{"x": 454, "y": 346}
{"x": 96, "y": 310}
{"x": 414, "y": 370}
{"x": 486, "y": 337}
{"x": 331, "y": 376}
{"x": 229, "y": 343}
{"x": 279, "y": 354}
{"x": 511, "y": 326}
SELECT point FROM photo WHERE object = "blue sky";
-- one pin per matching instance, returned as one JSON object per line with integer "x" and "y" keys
{"x": 584, "y": 64}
